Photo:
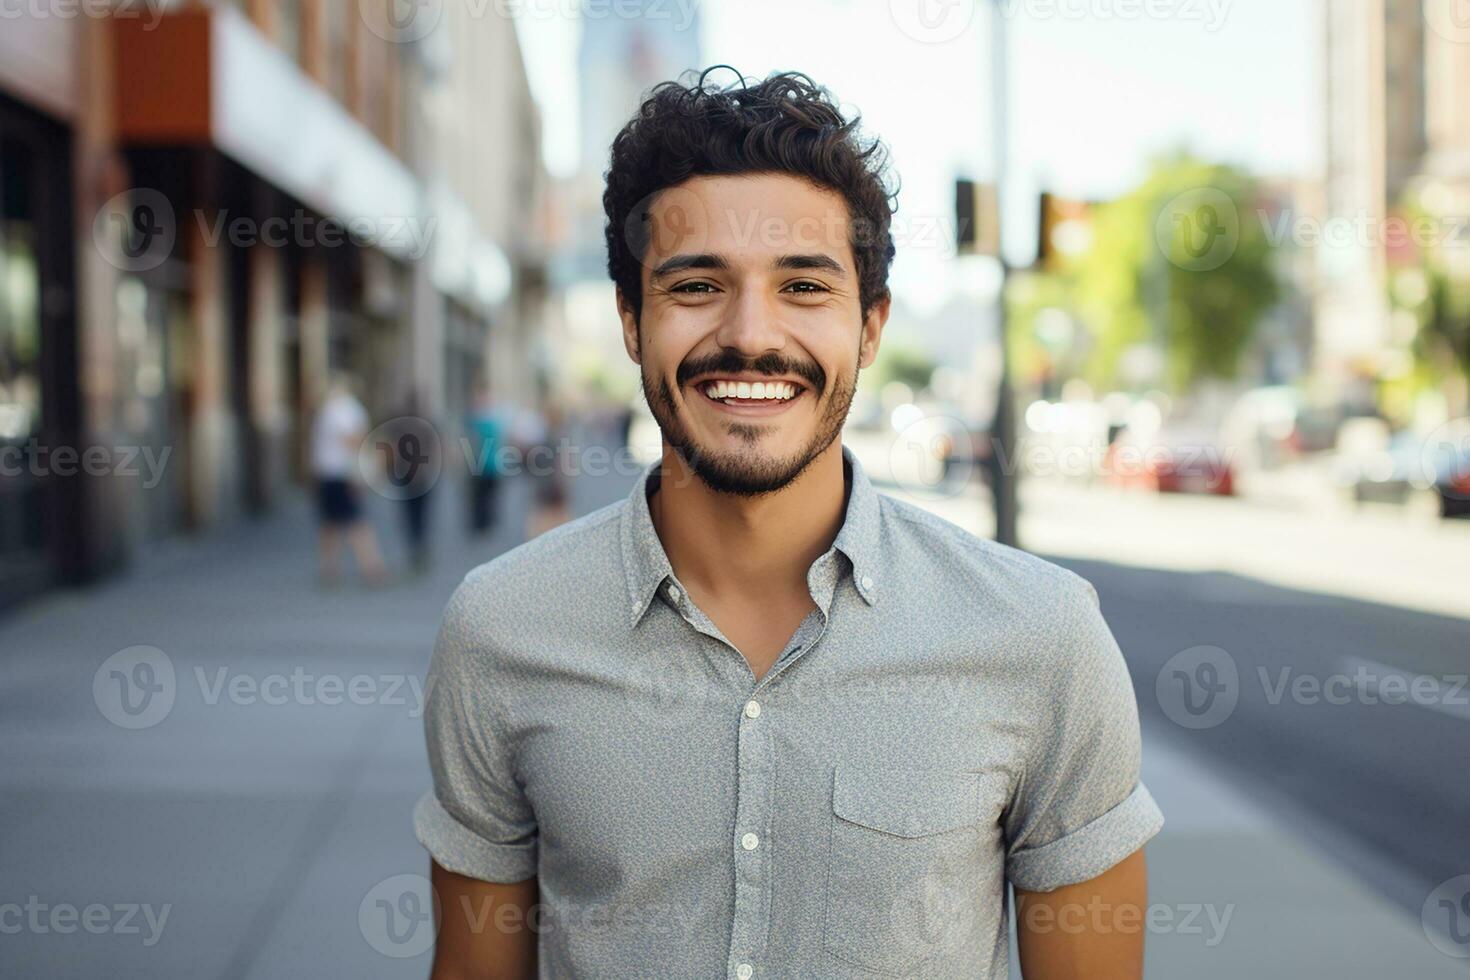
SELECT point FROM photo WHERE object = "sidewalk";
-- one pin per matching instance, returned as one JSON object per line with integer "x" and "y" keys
{"x": 266, "y": 840}
{"x": 1232, "y": 894}
{"x": 1329, "y": 550}
{"x": 1243, "y": 895}
{"x": 252, "y": 830}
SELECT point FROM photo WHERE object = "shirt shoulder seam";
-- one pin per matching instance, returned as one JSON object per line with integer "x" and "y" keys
{"x": 972, "y": 544}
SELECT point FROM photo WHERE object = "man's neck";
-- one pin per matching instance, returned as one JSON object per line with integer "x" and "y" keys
{"x": 752, "y": 547}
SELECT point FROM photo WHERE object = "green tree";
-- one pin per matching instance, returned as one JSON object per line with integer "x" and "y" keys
{"x": 1184, "y": 263}
{"x": 1433, "y": 286}
{"x": 900, "y": 362}
{"x": 1045, "y": 346}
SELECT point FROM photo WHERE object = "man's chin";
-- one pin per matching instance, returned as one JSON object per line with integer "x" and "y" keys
{"x": 743, "y": 473}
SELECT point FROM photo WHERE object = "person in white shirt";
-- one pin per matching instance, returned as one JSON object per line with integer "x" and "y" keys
{"x": 340, "y": 426}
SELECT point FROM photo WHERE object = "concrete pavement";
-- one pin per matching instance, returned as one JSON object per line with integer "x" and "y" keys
{"x": 275, "y": 791}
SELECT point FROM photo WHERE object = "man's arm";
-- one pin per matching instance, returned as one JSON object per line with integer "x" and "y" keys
{"x": 1092, "y": 930}
{"x": 487, "y": 931}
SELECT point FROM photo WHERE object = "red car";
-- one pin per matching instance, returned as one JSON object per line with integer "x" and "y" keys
{"x": 1171, "y": 463}
{"x": 1194, "y": 472}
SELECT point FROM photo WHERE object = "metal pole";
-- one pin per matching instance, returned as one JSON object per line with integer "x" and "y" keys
{"x": 1003, "y": 462}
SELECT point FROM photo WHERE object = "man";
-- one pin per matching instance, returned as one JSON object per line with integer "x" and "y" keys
{"x": 758, "y": 720}
{"x": 336, "y": 435}
{"x": 484, "y": 424}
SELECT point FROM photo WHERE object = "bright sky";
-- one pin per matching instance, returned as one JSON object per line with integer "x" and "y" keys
{"x": 1095, "y": 92}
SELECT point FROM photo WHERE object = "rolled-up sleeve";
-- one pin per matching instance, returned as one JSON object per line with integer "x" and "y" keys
{"x": 1080, "y": 807}
{"x": 476, "y": 821}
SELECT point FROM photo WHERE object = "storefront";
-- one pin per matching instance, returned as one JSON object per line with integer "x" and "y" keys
{"x": 39, "y": 445}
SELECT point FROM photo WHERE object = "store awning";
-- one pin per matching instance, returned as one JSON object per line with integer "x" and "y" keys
{"x": 207, "y": 77}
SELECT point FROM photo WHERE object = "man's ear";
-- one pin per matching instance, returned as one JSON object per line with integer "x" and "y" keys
{"x": 873, "y": 325}
{"x": 629, "y": 320}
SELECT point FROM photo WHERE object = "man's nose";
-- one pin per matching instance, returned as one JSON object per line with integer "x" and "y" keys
{"x": 752, "y": 324}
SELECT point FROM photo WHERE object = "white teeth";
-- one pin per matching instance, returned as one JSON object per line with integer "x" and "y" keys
{"x": 773, "y": 390}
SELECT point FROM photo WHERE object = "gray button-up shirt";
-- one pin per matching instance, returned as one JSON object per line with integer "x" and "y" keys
{"x": 953, "y": 715}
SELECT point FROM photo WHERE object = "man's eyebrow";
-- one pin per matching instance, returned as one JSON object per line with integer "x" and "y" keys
{"x": 814, "y": 261}
{"x": 679, "y": 263}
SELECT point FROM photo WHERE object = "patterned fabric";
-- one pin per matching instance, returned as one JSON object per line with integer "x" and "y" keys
{"x": 953, "y": 715}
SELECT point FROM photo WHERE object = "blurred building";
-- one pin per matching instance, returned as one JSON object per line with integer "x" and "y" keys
{"x": 1444, "y": 182}
{"x": 1447, "y": 98}
{"x": 1375, "y": 142}
{"x": 624, "y": 53}
{"x": 621, "y": 58}
{"x": 1282, "y": 349}
{"x": 209, "y": 207}
{"x": 478, "y": 149}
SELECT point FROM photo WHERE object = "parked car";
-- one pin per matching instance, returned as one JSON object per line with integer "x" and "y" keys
{"x": 1450, "y": 464}
{"x": 1454, "y": 494}
{"x": 1276, "y": 424}
{"x": 1386, "y": 474}
{"x": 1193, "y": 465}
{"x": 1175, "y": 460}
{"x": 1404, "y": 464}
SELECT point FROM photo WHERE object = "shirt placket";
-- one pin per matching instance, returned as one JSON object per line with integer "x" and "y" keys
{"x": 755, "y": 772}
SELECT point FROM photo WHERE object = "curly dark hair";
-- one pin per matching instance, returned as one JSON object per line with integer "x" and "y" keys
{"x": 784, "y": 124}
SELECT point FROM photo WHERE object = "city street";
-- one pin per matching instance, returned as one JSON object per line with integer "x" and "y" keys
{"x": 281, "y": 279}
{"x": 257, "y": 839}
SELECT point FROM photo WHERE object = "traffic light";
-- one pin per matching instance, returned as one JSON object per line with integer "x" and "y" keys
{"x": 1063, "y": 229}
{"x": 977, "y": 225}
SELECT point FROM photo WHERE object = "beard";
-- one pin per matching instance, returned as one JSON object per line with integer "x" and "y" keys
{"x": 752, "y": 473}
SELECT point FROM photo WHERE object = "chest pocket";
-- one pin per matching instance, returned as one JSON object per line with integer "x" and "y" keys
{"x": 904, "y": 871}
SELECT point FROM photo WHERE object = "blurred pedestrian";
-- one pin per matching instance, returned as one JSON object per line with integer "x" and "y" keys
{"x": 624, "y": 426}
{"x": 337, "y": 433}
{"x": 546, "y": 466}
{"x": 414, "y": 465}
{"x": 485, "y": 426}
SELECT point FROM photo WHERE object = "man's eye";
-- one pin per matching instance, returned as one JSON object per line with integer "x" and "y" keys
{"x": 807, "y": 286}
{"x": 696, "y": 288}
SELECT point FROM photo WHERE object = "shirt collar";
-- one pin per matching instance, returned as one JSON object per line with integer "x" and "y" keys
{"x": 647, "y": 565}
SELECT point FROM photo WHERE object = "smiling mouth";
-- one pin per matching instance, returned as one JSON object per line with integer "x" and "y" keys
{"x": 751, "y": 398}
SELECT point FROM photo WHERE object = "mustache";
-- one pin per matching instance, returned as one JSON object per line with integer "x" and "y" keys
{"x": 771, "y": 363}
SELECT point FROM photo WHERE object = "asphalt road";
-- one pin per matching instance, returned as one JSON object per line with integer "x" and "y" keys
{"x": 1327, "y": 724}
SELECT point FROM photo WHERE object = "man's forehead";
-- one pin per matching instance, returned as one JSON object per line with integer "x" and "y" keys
{"x": 763, "y": 215}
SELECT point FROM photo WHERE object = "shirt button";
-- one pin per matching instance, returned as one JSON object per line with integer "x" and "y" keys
{"x": 752, "y": 709}
{"x": 744, "y": 971}
{"x": 867, "y": 582}
{"x": 674, "y": 593}
{"x": 750, "y": 842}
